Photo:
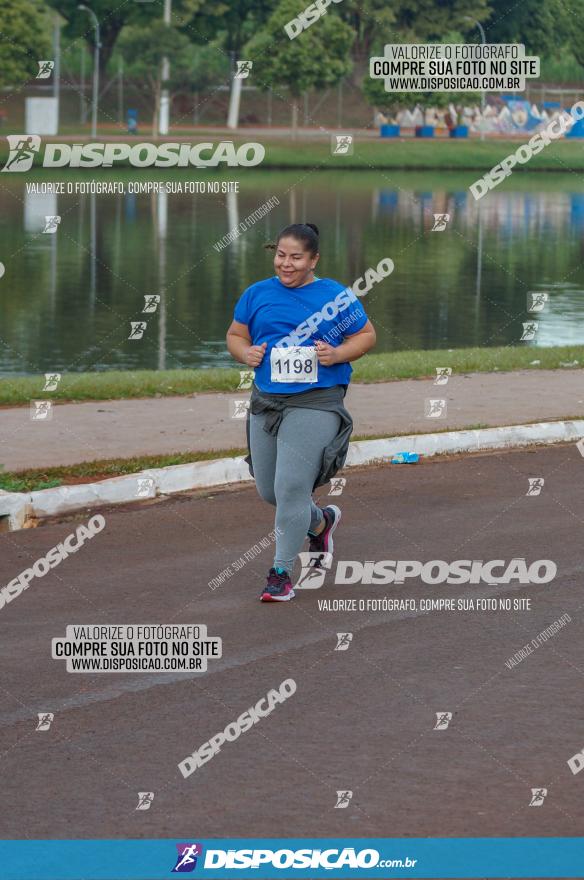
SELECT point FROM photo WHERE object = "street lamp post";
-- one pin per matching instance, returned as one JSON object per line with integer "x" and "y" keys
{"x": 164, "y": 119}
{"x": 95, "y": 67}
{"x": 483, "y": 41}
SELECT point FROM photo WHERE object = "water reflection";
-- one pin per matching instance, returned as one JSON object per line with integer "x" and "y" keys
{"x": 161, "y": 233}
{"x": 66, "y": 300}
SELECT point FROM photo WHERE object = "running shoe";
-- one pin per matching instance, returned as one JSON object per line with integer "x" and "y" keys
{"x": 278, "y": 587}
{"x": 323, "y": 543}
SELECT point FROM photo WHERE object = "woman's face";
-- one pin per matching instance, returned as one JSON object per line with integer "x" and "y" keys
{"x": 294, "y": 266}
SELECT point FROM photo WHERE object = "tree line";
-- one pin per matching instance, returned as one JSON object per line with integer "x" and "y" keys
{"x": 205, "y": 36}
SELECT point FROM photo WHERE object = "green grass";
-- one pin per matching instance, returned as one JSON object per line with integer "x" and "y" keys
{"x": 416, "y": 154}
{"x": 117, "y": 384}
{"x": 417, "y": 364}
{"x": 376, "y": 153}
{"x": 35, "y": 479}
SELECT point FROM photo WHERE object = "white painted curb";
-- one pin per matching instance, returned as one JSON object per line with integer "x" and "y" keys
{"x": 15, "y": 508}
{"x": 508, "y": 436}
{"x": 24, "y": 509}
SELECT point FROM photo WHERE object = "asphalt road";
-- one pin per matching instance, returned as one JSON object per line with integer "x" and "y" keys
{"x": 361, "y": 719}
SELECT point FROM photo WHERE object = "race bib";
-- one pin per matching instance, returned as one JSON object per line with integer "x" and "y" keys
{"x": 297, "y": 364}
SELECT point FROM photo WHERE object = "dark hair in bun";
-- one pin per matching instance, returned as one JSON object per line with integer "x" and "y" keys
{"x": 307, "y": 233}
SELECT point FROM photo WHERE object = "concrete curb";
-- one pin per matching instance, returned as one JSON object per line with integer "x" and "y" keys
{"x": 508, "y": 436}
{"x": 15, "y": 510}
{"x": 23, "y": 510}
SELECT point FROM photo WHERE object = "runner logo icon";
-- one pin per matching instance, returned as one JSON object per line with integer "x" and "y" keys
{"x": 145, "y": 487}
{"x": 245, "y": 379}
{"x": 529, "y": 330}
{"x": 535, "y": 485}
{"x": 343, "y": 145}
{"x": 137, "y": 329}
{"x": 51, "y": 223}
{"x": 343, "y": 799}
{"x": 536, "y": 300}
{"x": 337, "y": 485}
{"x": 443, "y": 719}
{"x": 51, "y": 381}
{"x": 45, "y": 720}
{"x": 314, "y": 567}
{"x": 187, "y": 857}
{"x": 538, "y": 795}
{"x": 239, "y": 408}
{"x": 22, "y": 150}
{"x": 45, "y": 69}
{"x": 41, "y": 410}
{"x": 243, "y": 69}
{"x": 440, "y": 222}
{"x": 145, "y": 799}
{"x": 442, "y": 374}
{"x": 434, "y": 408}
{"x": 151, "y": 302}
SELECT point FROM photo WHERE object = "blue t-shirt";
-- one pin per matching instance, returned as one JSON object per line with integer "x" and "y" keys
{"x": 298, "y": 316}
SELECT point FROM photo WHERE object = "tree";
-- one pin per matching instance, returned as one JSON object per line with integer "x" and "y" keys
{"x": 368, "y": 18}
{"x": 425, "y": 21}
{"x": 209, "y": 66}
{"x": 230, "y": 24}
{"x": 24, "y": 40}
{"x": 113, "y": 16}
{"x": 541, "y": 25}
{"x": 317, "y": 58}
{"x": 143, "y": 49}
{"x": 550, "y": 24}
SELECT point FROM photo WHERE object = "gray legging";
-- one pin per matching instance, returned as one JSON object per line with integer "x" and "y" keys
{"x": 286, "y": 468}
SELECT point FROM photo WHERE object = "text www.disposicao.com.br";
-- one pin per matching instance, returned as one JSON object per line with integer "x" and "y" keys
{"x": 116, "y": 664}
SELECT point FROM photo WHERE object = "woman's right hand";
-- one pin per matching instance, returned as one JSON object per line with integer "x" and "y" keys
{"x": 255, "y": 354}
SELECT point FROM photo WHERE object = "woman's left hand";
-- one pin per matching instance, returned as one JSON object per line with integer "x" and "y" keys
{"x": 326, "y": 354}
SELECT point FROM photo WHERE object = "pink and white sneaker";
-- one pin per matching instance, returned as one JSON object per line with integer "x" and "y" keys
{"x": 278, "y": 587}
{"x": 323, "y": 543}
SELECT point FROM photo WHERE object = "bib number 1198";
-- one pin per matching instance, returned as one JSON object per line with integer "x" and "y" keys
{"x": 298, "y": 364}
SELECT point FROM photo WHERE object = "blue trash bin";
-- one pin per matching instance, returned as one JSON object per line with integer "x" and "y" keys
{"x": 389, "y": 131}
{"x": 577, "y": 210}
{"x": 387, "y": 201}
{"x": 577, "y": 130}
{"x": 424, "y": 131}
{"x": 132, "y": 121}
{"x": 459, "y": 131}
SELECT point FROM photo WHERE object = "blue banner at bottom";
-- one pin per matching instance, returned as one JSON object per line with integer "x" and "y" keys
{"x": 227, "y": 859}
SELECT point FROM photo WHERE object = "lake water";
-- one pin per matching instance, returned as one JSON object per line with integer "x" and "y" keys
{"x": 67, "y": 299}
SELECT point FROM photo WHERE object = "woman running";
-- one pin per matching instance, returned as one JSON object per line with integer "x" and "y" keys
{"x": 299, "y": 333}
